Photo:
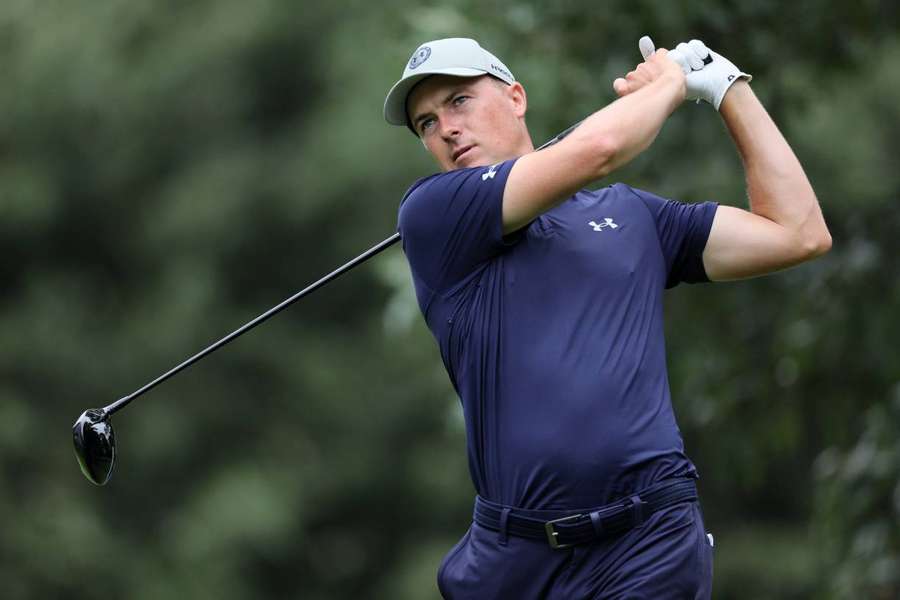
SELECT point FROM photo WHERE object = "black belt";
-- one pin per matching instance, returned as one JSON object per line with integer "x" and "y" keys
{"x": 567, "y": 528}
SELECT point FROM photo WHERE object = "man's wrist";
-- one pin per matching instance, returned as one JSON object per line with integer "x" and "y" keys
{"x": 738, "y": 92}
{"x": 675, "y": 84}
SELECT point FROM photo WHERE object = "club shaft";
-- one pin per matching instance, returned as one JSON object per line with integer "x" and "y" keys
{"x": 559, "y": 136}
{"x": 123, "y": 402}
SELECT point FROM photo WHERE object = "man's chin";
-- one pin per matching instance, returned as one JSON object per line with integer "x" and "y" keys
{"x": 470, "y": 159}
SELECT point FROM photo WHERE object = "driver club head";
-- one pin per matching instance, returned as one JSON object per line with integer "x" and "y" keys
{"x": 95, "y": 445}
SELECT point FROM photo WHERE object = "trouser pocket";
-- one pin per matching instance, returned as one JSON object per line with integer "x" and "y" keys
{"x": 706, "y": 543}
{"x": 443, "y": 588}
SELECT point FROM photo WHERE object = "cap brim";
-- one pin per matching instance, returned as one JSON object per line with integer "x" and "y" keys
{"x": 395, "y": 103}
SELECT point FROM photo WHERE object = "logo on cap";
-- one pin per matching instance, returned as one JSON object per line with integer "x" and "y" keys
{"x": 501, "y": 70}
{"x": 419, "y": 56}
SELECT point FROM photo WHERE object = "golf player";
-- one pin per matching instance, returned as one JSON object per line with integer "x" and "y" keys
{"x": 545, "y": 299}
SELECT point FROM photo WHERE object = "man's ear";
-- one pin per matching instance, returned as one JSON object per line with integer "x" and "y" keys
{"x": 516, "y": 94}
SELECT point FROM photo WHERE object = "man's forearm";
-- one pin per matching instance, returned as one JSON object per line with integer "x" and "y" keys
{"x": 776, "y": 183}
{"x": 630, "y": 124}
{"x": 604, "y": 141}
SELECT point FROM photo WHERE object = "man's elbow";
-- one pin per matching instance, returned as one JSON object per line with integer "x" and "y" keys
{"x": 814, "y": 239}
{"x": 815, "y": 245}
{"x": 602, "y": 154}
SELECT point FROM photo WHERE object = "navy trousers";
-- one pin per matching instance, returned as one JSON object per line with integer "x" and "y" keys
{"x": 668, "y": 558}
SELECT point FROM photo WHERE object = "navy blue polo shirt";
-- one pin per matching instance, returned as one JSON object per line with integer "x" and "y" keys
{"x": 553, "y": 336}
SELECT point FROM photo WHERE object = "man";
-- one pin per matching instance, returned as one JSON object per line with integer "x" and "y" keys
{"x": 546, "y": 302}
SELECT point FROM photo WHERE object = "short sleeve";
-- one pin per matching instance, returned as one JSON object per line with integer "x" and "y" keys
{"x": 452, "y": 222}
{"x": 683, "y": 230}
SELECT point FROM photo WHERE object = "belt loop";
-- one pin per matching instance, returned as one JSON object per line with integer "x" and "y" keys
{"x": 637, "y": 510}
{"x": 597, "y": 523}
{"x": 504, "y": 521}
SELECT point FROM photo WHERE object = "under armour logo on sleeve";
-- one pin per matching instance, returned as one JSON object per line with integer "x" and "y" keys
{"x": 490, "y": 174}
{"x": 607, "y": 222}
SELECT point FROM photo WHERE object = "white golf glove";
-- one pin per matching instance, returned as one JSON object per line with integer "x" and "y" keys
{"x": 708, "y": 74}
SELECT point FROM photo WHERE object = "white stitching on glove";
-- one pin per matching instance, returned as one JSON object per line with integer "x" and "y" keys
{"x": 708, "y": 74}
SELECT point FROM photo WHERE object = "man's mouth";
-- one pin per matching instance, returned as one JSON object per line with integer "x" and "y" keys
{"x": 459, "y": 153}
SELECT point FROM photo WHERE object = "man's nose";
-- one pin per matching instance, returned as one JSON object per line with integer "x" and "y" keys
{"x": 450, "y": 128}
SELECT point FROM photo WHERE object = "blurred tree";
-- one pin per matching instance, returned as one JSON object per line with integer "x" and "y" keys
{"x": 169, "y": 170}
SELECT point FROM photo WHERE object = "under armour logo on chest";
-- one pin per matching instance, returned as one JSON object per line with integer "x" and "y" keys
{"x": 490, "y": 174}
{"x": 607, "y": 222}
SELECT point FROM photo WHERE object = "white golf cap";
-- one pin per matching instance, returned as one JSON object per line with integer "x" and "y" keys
{"x": 462, "y": 57}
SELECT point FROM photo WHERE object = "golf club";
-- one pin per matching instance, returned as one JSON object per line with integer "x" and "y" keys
{"x": 95, "y": 439}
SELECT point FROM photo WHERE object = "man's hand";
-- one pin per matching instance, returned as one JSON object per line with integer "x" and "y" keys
{"x": 656, "y": 65}
{"x": 708, "y": 74}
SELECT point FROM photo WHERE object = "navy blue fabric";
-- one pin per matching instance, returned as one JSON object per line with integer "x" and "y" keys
{"x": 669, "y": 558}
{"x": 553, "y": 337}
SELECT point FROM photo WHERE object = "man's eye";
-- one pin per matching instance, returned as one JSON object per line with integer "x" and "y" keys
{"x": 426, "y": 125}
{"x": 459, "y": 100}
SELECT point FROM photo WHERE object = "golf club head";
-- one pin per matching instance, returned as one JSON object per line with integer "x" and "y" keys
{"x": 95, "y": 445}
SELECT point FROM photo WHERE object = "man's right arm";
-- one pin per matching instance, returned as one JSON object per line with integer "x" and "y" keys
{"x": 605, "y": 141}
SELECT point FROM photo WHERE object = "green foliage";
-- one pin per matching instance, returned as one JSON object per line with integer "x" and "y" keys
{"x": 169, "y": 170}
{"x": 859, "y": 507}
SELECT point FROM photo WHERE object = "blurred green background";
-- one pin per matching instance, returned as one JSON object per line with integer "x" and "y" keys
{"x": 168, "y": 170}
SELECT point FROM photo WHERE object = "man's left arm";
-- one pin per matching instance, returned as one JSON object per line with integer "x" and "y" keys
{"x": 784, "y": 225}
